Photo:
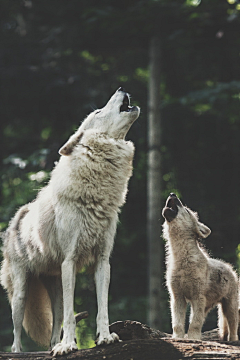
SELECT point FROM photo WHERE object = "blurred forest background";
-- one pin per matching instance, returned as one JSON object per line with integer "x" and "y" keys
{"x": 60, "y": 59}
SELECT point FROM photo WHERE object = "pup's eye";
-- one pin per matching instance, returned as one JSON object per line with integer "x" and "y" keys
{"x": 97, "y": 112}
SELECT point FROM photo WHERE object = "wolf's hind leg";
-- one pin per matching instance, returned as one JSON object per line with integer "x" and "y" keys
{"x": 178, "y": 311}
{"x": 53, "y": 285}
{"x": 222, "y": 324}
{"x": 18, "y": 306}
{"x": 230, "y": 312}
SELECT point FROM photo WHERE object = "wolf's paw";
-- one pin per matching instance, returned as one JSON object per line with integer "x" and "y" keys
{"x": 179, "y": 335}
{"x": 233, "y": 338}
{"x": 64, "y": 348}
{"x": 194, "y": 336}
{"x": 16, "y": 347}
{"x": 107, "y": 339}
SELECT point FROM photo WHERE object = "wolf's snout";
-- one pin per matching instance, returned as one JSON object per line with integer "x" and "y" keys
{"x": 173, "y": 195}
{"x": 121, "y": 89}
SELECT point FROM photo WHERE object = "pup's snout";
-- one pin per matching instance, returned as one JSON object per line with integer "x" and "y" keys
{"x": 121, "y": 89}
{"x": 173, "y": 195}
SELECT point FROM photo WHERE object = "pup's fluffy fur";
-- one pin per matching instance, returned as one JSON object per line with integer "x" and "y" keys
{"x": 71, "y": 223}
{"x": 192, "y": 276}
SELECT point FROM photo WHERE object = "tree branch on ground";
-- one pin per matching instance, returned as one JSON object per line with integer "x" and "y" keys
{"x": 140, "y": 342}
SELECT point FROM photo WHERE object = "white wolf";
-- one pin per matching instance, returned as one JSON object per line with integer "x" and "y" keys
{"x": 192, "y": 276}
{"x": 71, "y": 223}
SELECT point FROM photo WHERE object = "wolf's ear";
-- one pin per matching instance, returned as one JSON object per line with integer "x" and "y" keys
{"x": 203, "y": 230}
{"x": 68, "y": 147}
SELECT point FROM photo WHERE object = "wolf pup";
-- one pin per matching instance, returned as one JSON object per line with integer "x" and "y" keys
{"x": 192, "y": 276}
{"x": 71, "y": 223}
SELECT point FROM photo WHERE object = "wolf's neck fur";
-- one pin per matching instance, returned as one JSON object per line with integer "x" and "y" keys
{"x": 101, "y": 165}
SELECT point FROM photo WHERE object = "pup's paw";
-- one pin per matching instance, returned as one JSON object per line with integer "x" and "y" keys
{"x": 233, "y": 338}
{"x": 108, "y": 339}
{"x": 179, "y": 335}
{"x": 194, "y": 336}
{"x": 64, "y": 348}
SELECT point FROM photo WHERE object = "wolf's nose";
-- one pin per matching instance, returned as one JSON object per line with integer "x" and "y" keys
{"x": 121, "y": 89}
{"x": 173, "y": 195}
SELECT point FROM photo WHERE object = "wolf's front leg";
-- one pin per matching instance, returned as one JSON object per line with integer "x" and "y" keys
{"x": 178, "y": 311}
{"x": 197, "y": 318}
{"x": 102, "y": 279}
{"x": 68, "y": 343}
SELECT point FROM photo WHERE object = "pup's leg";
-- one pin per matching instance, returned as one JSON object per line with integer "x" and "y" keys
{"x": 102, "y": 278}
{"x": 178, "y": 311}
{"x": 18, "y": 306}
{"x": 222, "y": 324}
{"x": 230, "y": 311}
{"x": 197, "y": 318}
{"x": 68, "y": 343}
{"x": 53, "y": 285}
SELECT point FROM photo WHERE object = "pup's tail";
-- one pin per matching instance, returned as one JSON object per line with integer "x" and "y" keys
{"x": 37, "y": 320}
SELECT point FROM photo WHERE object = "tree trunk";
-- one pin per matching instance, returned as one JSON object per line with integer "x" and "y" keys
{"x": 155, "y": 251}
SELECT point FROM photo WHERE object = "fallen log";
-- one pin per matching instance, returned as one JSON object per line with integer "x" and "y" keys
{"x": 140, "y": 342}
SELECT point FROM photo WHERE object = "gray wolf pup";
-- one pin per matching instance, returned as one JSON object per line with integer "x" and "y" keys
{"x": 192, "y": 276}
{"x": 71, "y": 223}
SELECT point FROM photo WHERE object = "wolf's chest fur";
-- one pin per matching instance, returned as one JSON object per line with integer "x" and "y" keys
{"x": 185, "y": 268}
{"x": 96, "y": 180}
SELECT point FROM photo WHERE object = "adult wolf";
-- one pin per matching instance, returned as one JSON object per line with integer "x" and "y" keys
{"x": 192, "y": 276}
{"x": 71, "y": 223}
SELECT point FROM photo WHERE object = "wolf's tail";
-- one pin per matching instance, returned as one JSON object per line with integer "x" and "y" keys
{"x": 37, "y": 320}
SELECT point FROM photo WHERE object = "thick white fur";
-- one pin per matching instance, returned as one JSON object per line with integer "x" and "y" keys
{"x": 71, "y": 223}
{"x": 192, "y": 276}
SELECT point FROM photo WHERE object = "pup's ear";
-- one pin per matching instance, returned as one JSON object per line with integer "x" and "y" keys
{"x": 203, "y": 230}
{"x": 68, "y": 147}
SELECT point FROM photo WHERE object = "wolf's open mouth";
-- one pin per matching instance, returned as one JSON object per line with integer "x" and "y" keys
{"x": 171, "y": 204}
{"x": 170, "y": 210}
{"x": 125, "y": 105}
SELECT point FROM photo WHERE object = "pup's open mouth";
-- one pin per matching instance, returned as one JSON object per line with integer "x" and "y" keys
{"x": 125, "y": 104}
{"x": 170, "y": 210}
{"x": 171, "y": 205}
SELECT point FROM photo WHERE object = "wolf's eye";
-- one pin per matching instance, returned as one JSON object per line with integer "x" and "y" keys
{"x": 97, "y": 112}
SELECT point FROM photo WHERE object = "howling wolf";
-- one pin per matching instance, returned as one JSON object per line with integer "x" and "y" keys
{"x": 192, "y": 276}
{"x": 71, "y": 223}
